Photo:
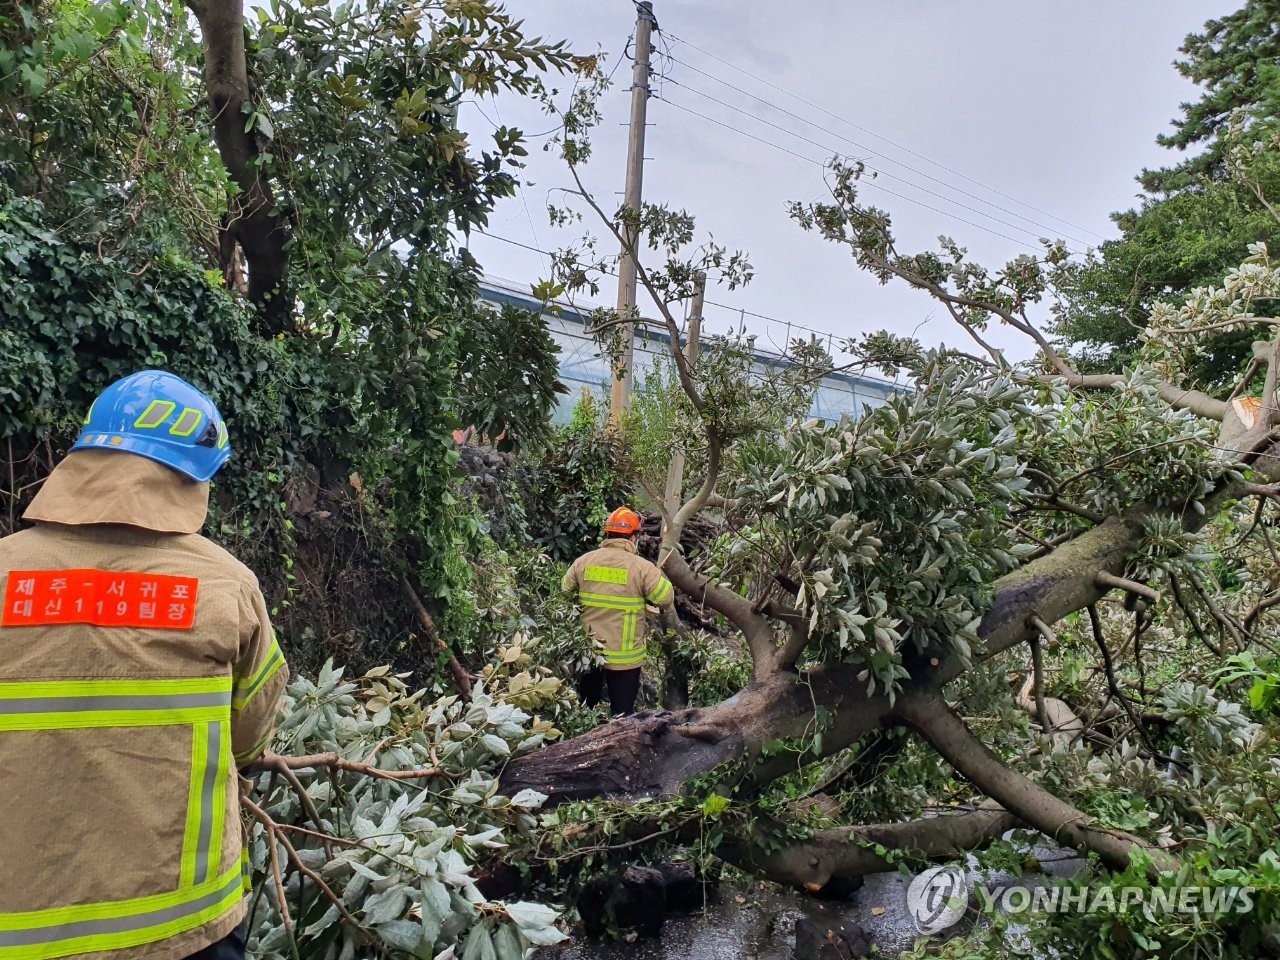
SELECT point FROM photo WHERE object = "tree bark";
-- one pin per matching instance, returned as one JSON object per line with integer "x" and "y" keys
{"x": 251, "y": 220}
{"x": 654, "y": 754}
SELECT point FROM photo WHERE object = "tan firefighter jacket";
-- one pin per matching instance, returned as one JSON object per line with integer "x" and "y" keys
{"x": 137, "y": 669}
{"x": 613, "y": 585}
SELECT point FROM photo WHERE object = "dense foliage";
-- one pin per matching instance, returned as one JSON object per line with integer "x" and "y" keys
{"x": 1197, "y": 217}
{"x": 574, "y": 484}
{"x": 880, "y": 613}
{"x": 403, "y": 856}
{"x": 118, "y": 238}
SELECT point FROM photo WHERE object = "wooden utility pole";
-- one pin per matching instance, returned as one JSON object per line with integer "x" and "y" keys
{"x": 620, "y": 392}
{"x": 674, "y": 494}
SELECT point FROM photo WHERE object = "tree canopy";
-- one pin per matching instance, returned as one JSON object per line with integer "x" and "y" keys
{"x": 1197, "y": 217}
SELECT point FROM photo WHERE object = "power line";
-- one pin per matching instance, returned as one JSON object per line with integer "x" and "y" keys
{"x": 868, "y": 183}
{"x": 831, "y": 150}
{"x": 524, "y": 198}
{"x": 712, "y": 303}
{"x": 872, "y": 133}
{"x": 861, "y": 146}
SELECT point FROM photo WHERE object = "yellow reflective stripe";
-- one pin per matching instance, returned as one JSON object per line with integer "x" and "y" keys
{"x": 82, "y": 704}
{"x": 219, "y": 800}
{"x": 247, "y": 689}
{"x": 606, "y": 601}
{"x": 605, "y": 574}
{"x": 32, "y": 689}
{"x": 222, "y": 435}
{"x": 94, "y": 927}
{"x": 203, "y": 895}
{"x": 206, "y": 804}
{"x": 252, "y": 754}
{"x": 626, "y": 658}
{"x": 89, "y": 719}
{"x": 660, "y": 592}
{"x": 191, "y": 836}
{"x": 157, "y": 412}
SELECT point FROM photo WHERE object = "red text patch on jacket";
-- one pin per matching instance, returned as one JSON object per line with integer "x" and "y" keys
{"x": 102, "y": 598}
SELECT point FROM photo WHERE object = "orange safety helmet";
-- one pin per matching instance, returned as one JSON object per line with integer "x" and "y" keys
{"x": 624, "y": 522}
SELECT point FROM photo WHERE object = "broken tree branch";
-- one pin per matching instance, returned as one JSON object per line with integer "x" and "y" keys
{"x": 1201, "y": 404}
{"x": 929, "y": 714}
{"x": 1112, "y": 582}
{"x": 461, "y": 682}
{"x": 848, "y": 852}
{"x": 274, "y": 761}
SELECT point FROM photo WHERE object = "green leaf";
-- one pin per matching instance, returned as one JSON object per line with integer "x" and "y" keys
{"x": 507, "y": 944}
{"x": 715, "y": 805}
{"x": 479, "y": 945}
{"x": 400, "y": 935}
{"x": 386, "y": 906}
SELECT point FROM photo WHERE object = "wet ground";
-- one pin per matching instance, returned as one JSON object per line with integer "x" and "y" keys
{"x": 757, "y": 922}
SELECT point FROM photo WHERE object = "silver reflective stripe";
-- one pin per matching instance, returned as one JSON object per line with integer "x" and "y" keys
{"x": 213, "y": 731}
{"x": 182, "y": 701}
{"x": 73, "y": 929}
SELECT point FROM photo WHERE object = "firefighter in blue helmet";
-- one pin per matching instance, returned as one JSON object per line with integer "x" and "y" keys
{"x": 139, "y": 671}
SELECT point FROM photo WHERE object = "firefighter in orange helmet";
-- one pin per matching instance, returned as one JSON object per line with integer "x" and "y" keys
{"x": 613, "y": 585}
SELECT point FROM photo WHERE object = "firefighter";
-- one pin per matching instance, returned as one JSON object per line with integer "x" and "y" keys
{"x": 613, "y": 585}
{"x": 139, "y": 670}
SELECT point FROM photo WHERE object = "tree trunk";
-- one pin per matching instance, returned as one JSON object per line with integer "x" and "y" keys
{"x": 251, "y": 220}
{"x": 653, "y": 754}
{"x": 825, "y": 710}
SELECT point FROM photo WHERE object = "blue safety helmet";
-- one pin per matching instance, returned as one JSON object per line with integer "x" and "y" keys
{"x": 161, "y": 417}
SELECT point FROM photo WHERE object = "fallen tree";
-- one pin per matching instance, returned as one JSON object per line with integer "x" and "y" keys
{"x": 889, "y": 561}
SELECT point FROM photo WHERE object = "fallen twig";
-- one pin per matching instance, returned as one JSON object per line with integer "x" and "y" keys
{"x": 274, "y": 761}
{"x": 272, "y": 833}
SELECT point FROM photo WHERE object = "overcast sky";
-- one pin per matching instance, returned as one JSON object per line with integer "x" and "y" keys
{"x": 1056, "y": 105}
